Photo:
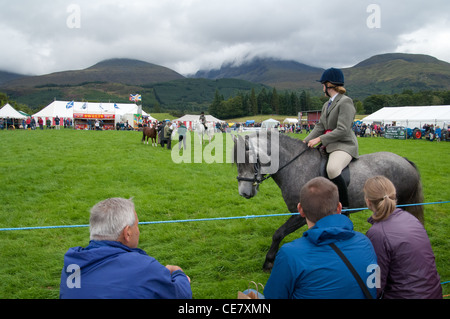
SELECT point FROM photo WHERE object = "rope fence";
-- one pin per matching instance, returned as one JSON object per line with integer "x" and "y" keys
{"x": 207, "y": 219}
{"x": 217, "y": 218}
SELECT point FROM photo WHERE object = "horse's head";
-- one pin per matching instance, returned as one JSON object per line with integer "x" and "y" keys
{"x": 253, "y": 161}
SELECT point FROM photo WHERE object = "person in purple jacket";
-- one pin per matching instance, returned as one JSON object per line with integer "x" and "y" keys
{"x": 112, "y": 267}
{"x": 404, "y": 253}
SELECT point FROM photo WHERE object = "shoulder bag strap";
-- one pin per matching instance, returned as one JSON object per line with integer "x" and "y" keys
{"x": 352, "y": 270}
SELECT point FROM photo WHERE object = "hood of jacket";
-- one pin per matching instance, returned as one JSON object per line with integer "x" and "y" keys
{"x": 91, "y": 255}
{"x": 330, "y": 229}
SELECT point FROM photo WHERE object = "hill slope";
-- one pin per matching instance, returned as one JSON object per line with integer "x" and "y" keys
{"x": 8, "y": 76}
{"x": 126, "y": 71}
{"x": 115, "y": 79}
{"x": 396, "y": 72}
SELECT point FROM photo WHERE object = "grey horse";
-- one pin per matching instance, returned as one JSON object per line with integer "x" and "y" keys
{"x": 297, "y": 164}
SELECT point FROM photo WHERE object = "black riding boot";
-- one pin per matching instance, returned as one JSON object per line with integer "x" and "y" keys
{"x": 343, "y": 195}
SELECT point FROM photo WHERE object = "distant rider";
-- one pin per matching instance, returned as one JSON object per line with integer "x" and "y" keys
{"x": 203, "y": 120}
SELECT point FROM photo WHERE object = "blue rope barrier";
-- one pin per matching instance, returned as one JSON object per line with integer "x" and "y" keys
{"x": 207, "y": 219}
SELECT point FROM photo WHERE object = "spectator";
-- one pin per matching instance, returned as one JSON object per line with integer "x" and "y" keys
{"x": 57, "y": 120}
{"x": 308, "y": 267}
{"x": 167, "y": 136}
{"x": 406, "y": 259}
{"x": 182, "y": 135}
{"x": 112, "y": 266}
{"x": 41, "y": 123}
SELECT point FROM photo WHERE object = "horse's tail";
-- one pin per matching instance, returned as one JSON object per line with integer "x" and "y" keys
{"x": 143, "y": 135}
{"x": 416, "y": 197}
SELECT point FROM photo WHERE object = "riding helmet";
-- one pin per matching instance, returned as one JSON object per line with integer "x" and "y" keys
{"x": 332, "y": 75}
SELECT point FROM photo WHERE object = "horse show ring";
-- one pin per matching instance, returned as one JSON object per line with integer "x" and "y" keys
{"x": 247, "y": 216}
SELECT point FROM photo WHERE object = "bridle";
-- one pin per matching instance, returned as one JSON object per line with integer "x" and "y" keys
{"x": 257, "y": 166}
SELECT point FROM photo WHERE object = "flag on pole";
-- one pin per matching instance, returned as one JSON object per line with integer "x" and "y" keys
{"x": 135, "y": 97}
{"x": 69, "y": 105}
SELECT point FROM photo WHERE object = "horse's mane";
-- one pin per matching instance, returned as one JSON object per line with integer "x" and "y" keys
{"x": 291, "y": 143}
{"x": 286, "y": 142}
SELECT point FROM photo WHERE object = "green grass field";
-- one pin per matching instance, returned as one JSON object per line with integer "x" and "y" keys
{"x": 51, "y": 178}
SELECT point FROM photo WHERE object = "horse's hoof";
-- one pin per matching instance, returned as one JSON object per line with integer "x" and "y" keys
{"x": 267, "y": 267}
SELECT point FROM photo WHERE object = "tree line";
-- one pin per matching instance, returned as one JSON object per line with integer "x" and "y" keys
{"x": 269, "y": 101}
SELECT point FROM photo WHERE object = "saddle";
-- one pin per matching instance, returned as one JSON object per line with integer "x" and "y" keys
{"x": 323, "y": 169}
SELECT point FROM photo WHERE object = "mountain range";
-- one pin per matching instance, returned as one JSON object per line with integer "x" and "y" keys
{"x": 381, "y": 74}
{"x": 115, "y": 79}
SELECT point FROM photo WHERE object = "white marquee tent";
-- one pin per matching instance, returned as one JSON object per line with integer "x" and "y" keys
{"x": 56, "y": 108}
{"x": 191, "y": 119}
{"x": 290, "y": 120}
{"x": 270, "y": 123}
{"x": 112, "y": 112}
{"x": 7, "y": 111}
{"x": 411, "y": 116}
{"x": 65, "y": 109}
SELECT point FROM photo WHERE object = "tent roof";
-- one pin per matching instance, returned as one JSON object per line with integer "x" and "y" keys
{"x": 56, "y": 108}
{"x": 8, "y": 111}
{"x": 271, "y": 121}
{"x": 412, "y": 116}
{"x": 193, "y": 118}
{"x": 290, "y": 120}
{"x": 60, "y": 109}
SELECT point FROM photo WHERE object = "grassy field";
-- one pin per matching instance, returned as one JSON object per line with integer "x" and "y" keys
{"x": 54, "y": 177}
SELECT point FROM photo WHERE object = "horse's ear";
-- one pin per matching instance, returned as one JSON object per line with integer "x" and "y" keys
{"x": 247, "y": 143}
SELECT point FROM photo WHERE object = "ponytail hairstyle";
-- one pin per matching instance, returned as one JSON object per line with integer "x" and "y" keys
{"x": 382, "y": 196}
{"x": 340, "y": 89}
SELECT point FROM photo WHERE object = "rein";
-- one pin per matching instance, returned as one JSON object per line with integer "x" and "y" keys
{"x": 256, "y": 181}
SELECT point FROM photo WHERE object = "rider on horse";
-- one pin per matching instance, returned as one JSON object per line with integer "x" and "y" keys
{"x": 334, "y": 130}
{"x": 203, "y": 120}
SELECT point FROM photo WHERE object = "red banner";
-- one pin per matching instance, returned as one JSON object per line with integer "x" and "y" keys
{"x": 93, "y": 116}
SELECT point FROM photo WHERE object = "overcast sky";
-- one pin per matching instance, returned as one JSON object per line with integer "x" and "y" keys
{"x": 44, "y": 36}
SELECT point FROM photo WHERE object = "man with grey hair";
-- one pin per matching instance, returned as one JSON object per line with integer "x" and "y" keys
{"x": 112, "y": 266}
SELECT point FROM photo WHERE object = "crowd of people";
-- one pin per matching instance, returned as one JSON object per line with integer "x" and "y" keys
{"x": 394, "y": 259}
{"x": 372, "y": 130}
{"x": 30, "y": 123}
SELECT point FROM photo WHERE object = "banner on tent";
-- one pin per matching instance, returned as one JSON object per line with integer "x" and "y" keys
{"x": 93, "y": 116}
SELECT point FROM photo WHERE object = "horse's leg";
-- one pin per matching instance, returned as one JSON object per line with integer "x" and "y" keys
{"x": 291, "y": 225}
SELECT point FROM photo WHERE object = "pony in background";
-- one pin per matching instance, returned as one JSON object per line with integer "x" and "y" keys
{"x": 149, "y": 132}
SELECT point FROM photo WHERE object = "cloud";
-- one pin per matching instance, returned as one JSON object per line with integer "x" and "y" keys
{"x": 432, "y": 39}
{"x": 187, "y": 35}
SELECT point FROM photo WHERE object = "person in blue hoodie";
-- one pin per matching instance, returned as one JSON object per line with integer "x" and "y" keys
{"x": 112, "y": 266}
{"x": 308, "y": 267}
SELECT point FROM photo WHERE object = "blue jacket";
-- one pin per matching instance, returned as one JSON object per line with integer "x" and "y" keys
{"x": 309, "y": 268}
{"x": 112, "y": 270}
